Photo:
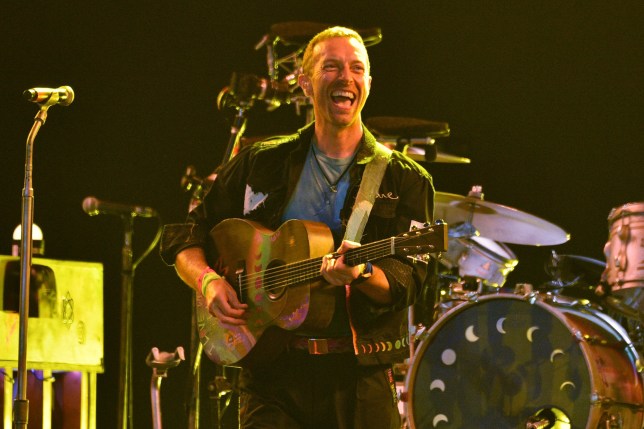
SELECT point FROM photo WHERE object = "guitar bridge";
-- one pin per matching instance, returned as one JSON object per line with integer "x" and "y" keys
{"x": 239, "y": 274}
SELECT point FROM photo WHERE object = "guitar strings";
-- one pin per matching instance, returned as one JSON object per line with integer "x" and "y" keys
{"x": 294, "y": 273}
{"x": 281, "y": 276}
{"x": 312, "y": 266}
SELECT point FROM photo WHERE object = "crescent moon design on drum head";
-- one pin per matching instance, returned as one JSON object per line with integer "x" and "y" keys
{"x": 437, "y": 384}
{"x": 470, "y": 335}
{"x": 440, "y": 418}
{"x": 555, "y": 353}
{"x": 530, "y": 332}
{"x": 499, "y": 325}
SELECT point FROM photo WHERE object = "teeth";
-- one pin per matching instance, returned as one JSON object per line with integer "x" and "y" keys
{"x": 346, "y": 94}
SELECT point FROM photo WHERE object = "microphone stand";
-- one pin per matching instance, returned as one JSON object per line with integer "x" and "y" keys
{"x": 21, "y": 403}
{"x": 127, "y": 280}
{"x": 125, "y": 364}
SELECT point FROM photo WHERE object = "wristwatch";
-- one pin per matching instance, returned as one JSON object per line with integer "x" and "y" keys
{"x": 367, "y": 271}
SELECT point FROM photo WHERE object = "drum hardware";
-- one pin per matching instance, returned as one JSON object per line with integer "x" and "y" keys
{"x": 575, "y": 276}
{"x": 495, "y": 221}
{"x": 422, "y": 150}
{"x": 456, "y": 293}
{"x": 523, "y": 289}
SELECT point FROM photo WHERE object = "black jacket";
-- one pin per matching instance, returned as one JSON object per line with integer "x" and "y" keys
{"x": 257, "y": 184}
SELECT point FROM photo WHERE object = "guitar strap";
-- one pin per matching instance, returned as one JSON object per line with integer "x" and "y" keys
{"x": 371, "y": 178}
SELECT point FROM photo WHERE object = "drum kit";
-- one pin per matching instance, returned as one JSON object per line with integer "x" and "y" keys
{"x": 566, "y": 354}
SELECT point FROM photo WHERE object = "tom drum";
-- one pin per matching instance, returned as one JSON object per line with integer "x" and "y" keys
{"x": 624, "y": 252}
{"x": 481, "y": 258}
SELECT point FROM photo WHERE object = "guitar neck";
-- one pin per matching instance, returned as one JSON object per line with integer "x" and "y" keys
{"x": 426, "y": 240}
{"x": 369, "y": 252}
{"x": 309, "y": 270}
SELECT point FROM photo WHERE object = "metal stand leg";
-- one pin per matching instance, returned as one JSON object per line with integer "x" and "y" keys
{"x": 8, "y": 396}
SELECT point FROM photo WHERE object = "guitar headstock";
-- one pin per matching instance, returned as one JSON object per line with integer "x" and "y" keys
{"x": 422, "y": 239}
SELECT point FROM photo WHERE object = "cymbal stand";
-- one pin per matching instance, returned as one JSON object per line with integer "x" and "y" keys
{"x": 291, "y": 64}
{"x": 21, "y": 403}
{"x": 236, "y": 131}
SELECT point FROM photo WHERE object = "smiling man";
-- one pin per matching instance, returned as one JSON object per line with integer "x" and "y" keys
{"x": 333, "y": 371}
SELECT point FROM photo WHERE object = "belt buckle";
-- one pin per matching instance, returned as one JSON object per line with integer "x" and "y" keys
{"x": 318, "y": 346}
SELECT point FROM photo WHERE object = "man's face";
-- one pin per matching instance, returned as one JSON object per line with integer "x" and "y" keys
{"x": 339, "y": 81}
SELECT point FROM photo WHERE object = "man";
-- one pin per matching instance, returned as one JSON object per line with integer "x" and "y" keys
{"x": 334, "y": 376}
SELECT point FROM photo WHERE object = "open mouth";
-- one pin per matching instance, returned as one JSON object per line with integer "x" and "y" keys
{"x": 345, "y": 98}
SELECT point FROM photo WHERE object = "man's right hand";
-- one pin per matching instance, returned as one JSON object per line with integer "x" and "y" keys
{"x": 222, "y": 302}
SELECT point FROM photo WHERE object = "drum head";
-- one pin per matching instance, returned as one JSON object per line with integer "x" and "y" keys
{"x": 497, "y": 362}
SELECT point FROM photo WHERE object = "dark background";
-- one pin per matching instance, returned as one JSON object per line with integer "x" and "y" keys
{"x": 546, "y": 98}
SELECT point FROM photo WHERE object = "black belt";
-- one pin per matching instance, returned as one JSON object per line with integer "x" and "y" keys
{"x": 322, "y": 346}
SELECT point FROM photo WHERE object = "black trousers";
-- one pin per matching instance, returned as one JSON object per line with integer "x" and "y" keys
{"x": 303, "y": 391}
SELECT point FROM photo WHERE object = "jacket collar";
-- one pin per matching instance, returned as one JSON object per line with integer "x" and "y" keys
{"x": 367, "y": 149}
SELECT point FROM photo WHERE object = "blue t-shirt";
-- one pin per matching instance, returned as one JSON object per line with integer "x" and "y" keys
{"x": 314, "y": 198}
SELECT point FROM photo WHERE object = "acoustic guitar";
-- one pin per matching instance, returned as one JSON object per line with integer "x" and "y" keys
{"x": 277, "y": 273}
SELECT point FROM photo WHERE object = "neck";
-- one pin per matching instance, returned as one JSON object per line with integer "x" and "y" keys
{"x": 338, "y": 142}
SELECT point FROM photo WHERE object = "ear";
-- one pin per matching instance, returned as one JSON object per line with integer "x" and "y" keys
{"x": 305, "y": 84}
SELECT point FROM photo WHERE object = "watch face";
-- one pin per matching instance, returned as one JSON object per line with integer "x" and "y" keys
{"x": 368, "y": 270}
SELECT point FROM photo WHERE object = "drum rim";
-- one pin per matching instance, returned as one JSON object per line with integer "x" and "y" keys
{"x": 622, "y": 211}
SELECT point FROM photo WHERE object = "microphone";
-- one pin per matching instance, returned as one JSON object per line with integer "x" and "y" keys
{"x": 93, "y": 207}
{"x": 63, "y": 95}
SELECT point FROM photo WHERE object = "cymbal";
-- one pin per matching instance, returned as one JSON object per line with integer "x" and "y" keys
{"x": 406, "y": 128}
{"x": 497, "y": 222}
{"x": 421, "y": 154}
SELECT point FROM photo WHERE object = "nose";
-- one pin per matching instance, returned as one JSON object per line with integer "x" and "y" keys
{"x": 345, "y": 73}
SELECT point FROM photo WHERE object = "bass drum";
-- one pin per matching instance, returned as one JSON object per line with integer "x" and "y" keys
{"x": 507, "y": 361}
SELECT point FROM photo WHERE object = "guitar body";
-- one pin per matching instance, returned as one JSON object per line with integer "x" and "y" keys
{"x": 251, "y": 257}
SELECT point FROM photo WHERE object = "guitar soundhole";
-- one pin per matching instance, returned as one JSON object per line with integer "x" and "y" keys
{"x": 275, "y": 281}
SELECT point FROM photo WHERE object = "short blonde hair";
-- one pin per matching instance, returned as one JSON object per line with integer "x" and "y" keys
{"x": 329, "y": 33}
